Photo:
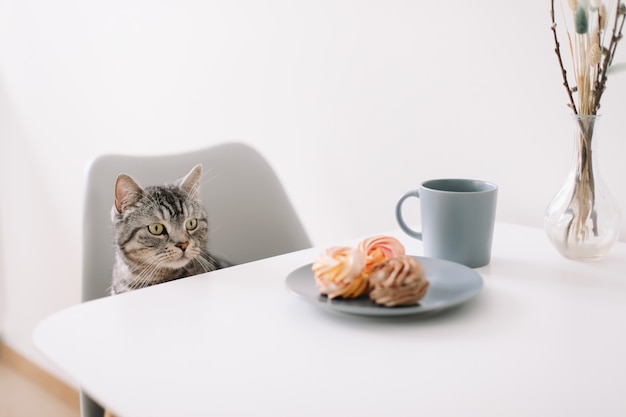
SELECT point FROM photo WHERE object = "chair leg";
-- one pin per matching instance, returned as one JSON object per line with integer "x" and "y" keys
{"x": 88, "y": 407}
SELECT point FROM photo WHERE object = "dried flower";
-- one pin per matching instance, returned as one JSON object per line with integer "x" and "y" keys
{"x": 594, "y": 54}
{"x": 592, "y": 50}
{"x": 602, "y": 17}
{"x": 581, "y": 21}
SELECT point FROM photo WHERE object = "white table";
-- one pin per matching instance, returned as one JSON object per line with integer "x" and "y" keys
{"x": 545, "y": 337}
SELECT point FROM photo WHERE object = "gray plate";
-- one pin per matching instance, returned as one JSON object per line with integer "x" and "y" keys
{"x": 450, "y": 284}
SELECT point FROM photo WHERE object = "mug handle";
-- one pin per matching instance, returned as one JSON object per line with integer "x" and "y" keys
{"x": 400, "y": 218}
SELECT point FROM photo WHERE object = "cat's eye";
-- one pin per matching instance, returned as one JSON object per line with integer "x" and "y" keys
{"x": 191, "y": 224}
{"x": 156, "y": 229}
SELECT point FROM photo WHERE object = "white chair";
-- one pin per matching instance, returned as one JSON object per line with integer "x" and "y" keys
{"x": 250, "y": 215}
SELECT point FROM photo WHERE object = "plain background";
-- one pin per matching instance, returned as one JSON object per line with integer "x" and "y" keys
{"x": 353, "y": 102}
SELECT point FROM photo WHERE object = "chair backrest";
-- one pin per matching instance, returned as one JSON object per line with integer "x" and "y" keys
{"x": 250, "y": 215}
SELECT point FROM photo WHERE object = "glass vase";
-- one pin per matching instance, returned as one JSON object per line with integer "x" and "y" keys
{"x": 583, "y": 219}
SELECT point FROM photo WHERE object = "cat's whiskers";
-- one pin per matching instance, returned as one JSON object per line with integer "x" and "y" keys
{"x": 146, "y": 274}
{"x": 205, "y": 265}
{"x": 153, "y": 268}
{"x": 218, "y": 254}
{"x": 206, "y": 260}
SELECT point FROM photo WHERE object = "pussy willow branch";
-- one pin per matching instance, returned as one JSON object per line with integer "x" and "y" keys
{"x": 620, "y": 14}
{"x": 616, "y": 36}
{"x": 557, "y": 50}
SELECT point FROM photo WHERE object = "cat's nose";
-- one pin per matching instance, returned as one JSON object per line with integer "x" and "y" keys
{"x": 182, "y": 245}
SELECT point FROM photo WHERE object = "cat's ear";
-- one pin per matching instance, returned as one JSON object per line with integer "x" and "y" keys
{"x": 127, "y": 192}
{"x": 191, "y": 182}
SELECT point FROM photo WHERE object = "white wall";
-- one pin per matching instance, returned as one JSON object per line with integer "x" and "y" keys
{"x": 352, "y": 101}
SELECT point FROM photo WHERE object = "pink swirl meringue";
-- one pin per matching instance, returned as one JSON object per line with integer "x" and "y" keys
{"x": 398, "y": 281}
{"x": 338, "y": 272}
{"x": 378, "y": 249}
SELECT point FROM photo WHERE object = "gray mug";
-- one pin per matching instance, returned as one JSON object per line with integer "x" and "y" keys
{"x": 458, "y": 217}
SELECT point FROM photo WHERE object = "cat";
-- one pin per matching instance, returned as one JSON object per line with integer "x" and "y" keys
{"x": 160, "y": 233}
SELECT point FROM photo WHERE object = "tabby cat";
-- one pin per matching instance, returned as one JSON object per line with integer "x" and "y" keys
{"x": 160, "y": 233}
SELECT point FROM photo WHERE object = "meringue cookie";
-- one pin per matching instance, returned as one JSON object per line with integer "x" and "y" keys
{"x": 378, "y": 249}
{"x": 338, "y": 272}
{"x": 398, "y": 281}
